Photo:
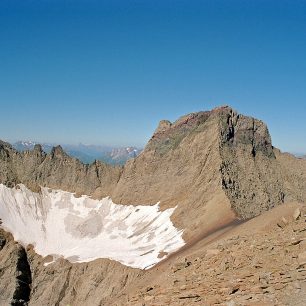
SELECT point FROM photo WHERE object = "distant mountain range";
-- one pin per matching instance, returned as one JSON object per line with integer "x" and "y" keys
{"x": 300, "y": 155}
{"x": 87, "y": 153}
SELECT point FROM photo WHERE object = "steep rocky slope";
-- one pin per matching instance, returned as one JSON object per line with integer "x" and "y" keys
{"x": 26, "y": 280}
{"x": 216, "y": 167}
{"x": 15, "y": 273}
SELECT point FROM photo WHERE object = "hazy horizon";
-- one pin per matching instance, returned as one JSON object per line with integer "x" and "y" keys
{"x": 106, "y": 72}
{"x": 70, "y": 143}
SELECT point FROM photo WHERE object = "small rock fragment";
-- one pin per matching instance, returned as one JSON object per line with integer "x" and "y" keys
{"x": 296, "y": 214}
{"x": 212, "y": 252}
{"x": 282, "y": 223}
{"x": 302, "y": 258}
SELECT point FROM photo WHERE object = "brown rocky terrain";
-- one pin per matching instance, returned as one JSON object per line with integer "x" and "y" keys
{"x": 218, "y": 167}
{"x": 260, "y": 262}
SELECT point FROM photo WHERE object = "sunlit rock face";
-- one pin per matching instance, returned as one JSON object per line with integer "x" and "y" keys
{"x": 82, "y": 229}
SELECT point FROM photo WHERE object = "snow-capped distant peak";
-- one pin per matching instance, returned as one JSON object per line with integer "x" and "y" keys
{"x": 28, "y": 143}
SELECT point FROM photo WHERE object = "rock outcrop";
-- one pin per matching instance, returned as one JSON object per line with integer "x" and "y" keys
{"x": 27, "y": 280}
{"x": 15, "y": 273}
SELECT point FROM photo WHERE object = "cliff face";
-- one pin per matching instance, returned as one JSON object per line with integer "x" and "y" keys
{"x": 15, "y": 273}
{"x": 251, "y": 174}
{"x": 255, "y": 175}
{"x": 25, "y": 280}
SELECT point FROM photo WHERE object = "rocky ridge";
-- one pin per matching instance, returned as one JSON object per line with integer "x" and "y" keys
{"x": 218, "y": 151}
{"x": 216, "y": 167}
{"x": 86, "y": 153}
{"x": 15, "y": 273}
{"x": 56, "y": 170}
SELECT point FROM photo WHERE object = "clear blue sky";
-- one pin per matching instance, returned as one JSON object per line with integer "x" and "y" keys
{"x": 105, "y": 72}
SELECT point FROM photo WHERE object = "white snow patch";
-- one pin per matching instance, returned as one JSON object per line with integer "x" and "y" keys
{"x": 82, "y": 229}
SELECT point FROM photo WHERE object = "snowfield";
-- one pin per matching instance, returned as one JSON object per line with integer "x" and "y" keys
{"x": 81, "y": 229}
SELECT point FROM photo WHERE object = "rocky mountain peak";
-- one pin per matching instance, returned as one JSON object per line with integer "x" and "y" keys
{"x": 163, "y": 126}
{"x": 5, "y": 145}
{"x": 58, "y": 152}
{"x": 38, "y": 148}
{"x": 169, "y": 135}
{"x": 5, "y": 150}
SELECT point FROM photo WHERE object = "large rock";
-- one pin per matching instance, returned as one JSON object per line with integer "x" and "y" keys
{"x": 26, "y": 280}
{"x": 15, "y": 273}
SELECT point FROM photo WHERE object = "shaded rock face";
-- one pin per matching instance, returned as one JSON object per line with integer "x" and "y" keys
{"x": 255, "y": 175}
{"x": 251, "y": 176}
{"x": 64, "y": 283}
{"x": 15, "y": 273}
{"x": 293, "y": 171}
{"x": 24, "y": 280}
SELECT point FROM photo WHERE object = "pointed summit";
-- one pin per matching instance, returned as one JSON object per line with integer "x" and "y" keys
{"x": 58, "y": 152}
{"x": 38, "y": 148}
